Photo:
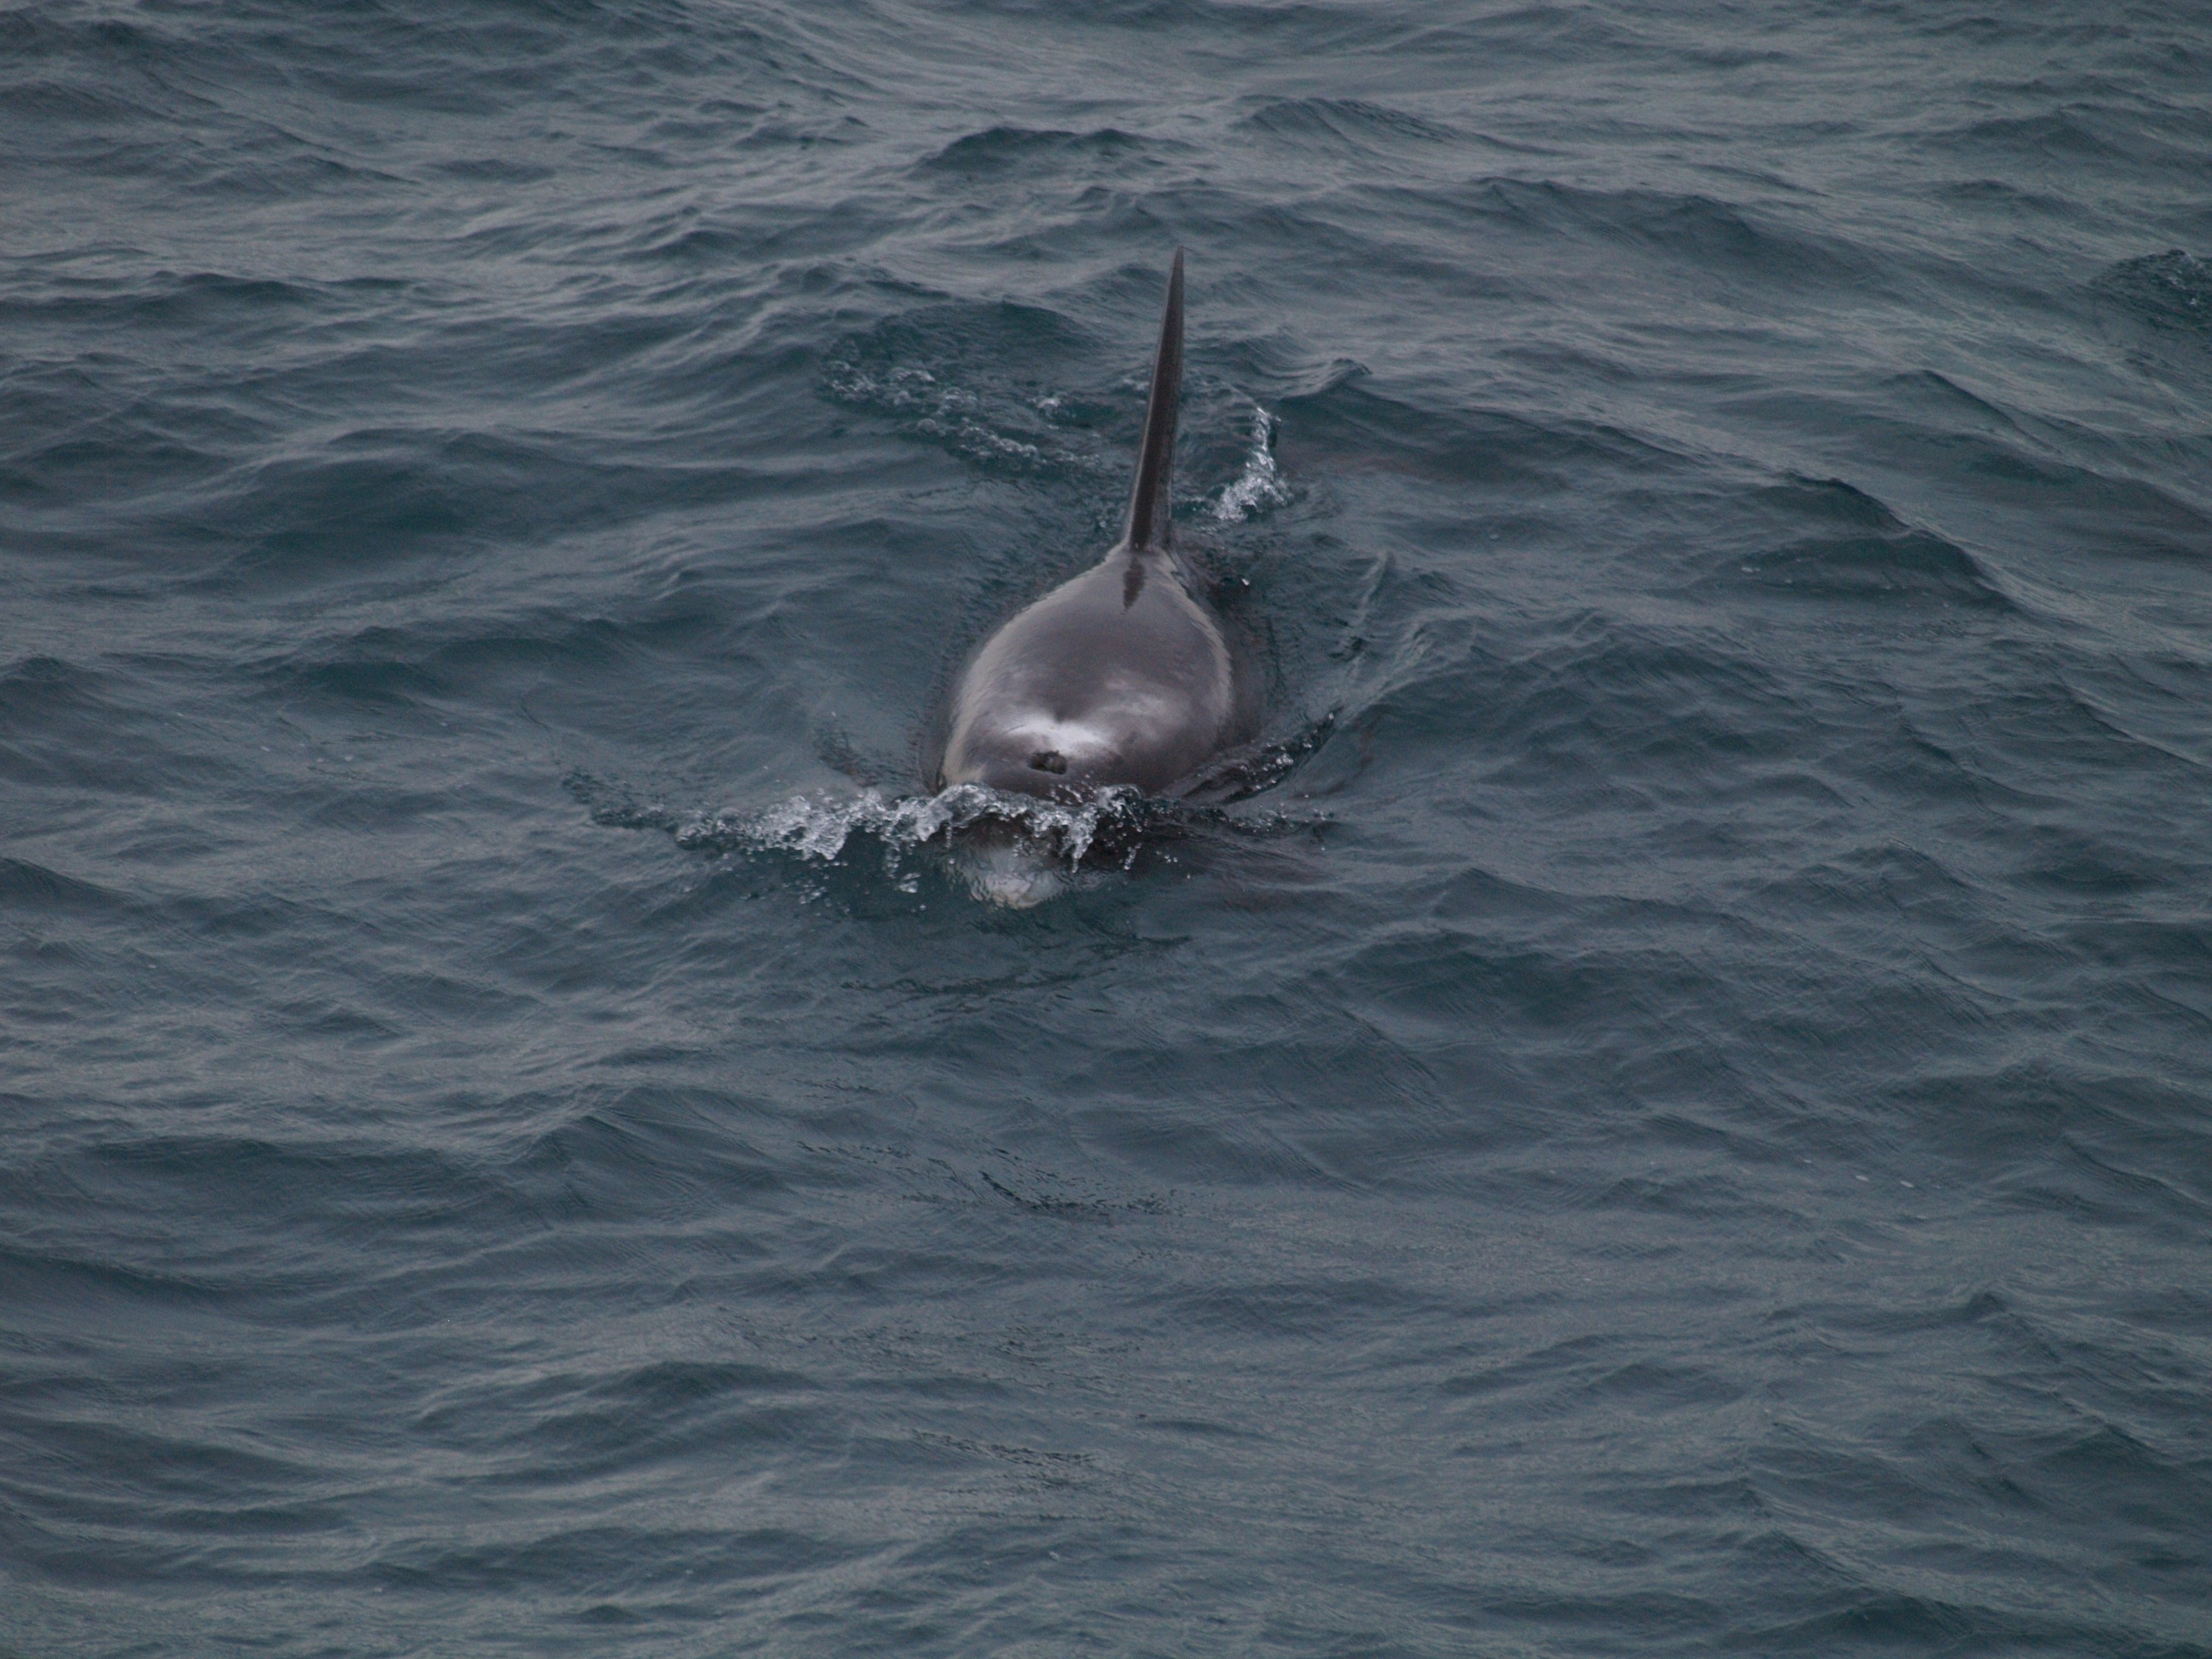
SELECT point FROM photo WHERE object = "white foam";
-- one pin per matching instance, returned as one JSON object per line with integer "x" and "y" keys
{"x": 1260, "y": 485}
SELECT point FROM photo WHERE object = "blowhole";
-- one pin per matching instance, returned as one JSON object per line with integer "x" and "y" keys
{"x": 1048, "y": 760}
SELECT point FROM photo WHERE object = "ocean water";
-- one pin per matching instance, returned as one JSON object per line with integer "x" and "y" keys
{"x": 1670, "y": 1116}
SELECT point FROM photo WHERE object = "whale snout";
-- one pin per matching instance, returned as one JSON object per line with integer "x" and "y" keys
{"x": 1045, "y": 773}
{"x": 1034, "y": 754}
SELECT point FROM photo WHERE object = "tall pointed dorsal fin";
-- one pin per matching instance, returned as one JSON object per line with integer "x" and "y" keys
{"x": 1152, "y": 500}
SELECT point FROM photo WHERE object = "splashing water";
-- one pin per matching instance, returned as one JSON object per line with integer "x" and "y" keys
{"x": 1260, "y": 485}
{"x": 818, "y": 826}
{"x": 1010, "y": 850}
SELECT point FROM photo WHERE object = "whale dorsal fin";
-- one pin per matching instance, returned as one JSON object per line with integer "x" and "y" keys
{"x": 1152, "y": 500}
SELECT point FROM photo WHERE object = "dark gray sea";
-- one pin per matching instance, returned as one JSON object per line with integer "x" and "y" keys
{"x": 1669, "y": 1116}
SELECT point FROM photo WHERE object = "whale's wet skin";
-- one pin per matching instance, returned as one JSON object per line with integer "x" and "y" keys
{"x": 1122, "y": 678}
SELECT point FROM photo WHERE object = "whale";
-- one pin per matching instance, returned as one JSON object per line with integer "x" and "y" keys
{"x": 1124, "y": 677}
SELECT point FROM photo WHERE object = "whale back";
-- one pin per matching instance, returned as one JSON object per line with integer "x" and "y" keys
{"x": 1100, "y": 682}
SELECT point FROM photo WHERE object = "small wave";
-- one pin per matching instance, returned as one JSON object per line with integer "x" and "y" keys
{"x": 2173, "y": 289}
{"x": 1842, "y": 543}
{"x": 1342, "y": 122}
{"x": 1704, "y": 232}
{"x": 1260, "y": 485}
{"x": 1002, "y": 147}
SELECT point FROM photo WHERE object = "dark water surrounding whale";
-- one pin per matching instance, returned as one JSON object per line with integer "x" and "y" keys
{"x": 1677, "y": 1124}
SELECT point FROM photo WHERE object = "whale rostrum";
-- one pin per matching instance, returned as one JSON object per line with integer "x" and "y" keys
{"x": 1123, "y": 675}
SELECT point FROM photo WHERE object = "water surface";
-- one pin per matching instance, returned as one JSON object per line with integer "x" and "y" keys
{"x": 1675, "y": 1122}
